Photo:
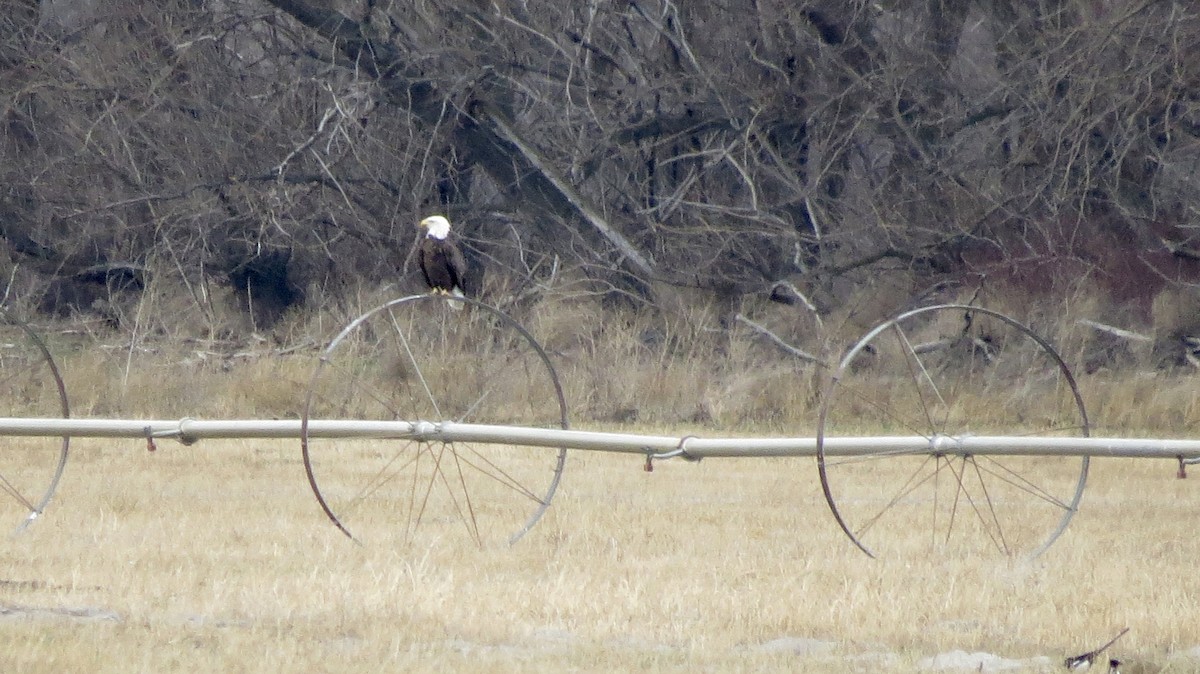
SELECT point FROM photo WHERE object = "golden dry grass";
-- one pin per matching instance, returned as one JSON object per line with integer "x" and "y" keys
{"x": 216, "y": 558}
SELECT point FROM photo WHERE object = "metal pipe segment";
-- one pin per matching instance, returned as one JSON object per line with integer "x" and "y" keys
{"x": 189, "y": 430}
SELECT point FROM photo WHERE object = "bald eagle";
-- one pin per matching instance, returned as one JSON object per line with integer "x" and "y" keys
{"x": 441, "y": 261}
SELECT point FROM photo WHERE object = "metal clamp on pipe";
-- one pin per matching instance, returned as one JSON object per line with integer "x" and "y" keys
{"x": 678, "y": 452}
{"x": 181, "y": 434}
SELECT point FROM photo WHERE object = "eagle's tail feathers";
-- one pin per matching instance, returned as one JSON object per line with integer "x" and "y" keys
{"x": 456, "y": 292}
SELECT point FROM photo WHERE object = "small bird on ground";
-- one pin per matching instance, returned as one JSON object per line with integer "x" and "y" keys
{"x": 441, "y": 260}
{"x": 1084, "y": 660}
{"x": 1138, "y": 666}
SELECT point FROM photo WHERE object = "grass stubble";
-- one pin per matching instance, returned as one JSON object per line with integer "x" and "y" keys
{"x": 215, "y": 557}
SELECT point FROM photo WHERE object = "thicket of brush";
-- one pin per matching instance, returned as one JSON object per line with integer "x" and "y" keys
{"x": 619, "y": 366}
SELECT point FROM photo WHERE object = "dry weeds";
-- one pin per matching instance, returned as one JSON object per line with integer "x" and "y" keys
{"x": 216, "y": 557}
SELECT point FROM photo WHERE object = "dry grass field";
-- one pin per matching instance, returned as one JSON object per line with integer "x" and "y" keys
{"x": 216, "y": 557}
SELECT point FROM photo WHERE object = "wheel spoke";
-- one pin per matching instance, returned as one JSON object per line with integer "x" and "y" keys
{"x": 1011, "y": 477}
{"x": 996, "y": 537}
{"x": 958, "y": 492}
{"x": 874, "y": 456}
{"x": 9, "y": 488}
{"x": 490, "y": 469}
{"x": 492, "y": 383}
{"x": 905, "y": 489}
{"x": 415, "y": 522}
{"x": 889, "y": 412}
{"x": 473, "y": 527}
{"x": 918, "y": 373}
{"x": 386, "y": 473}
{"x": 406, "y": 349}
{"x": 991, "y": 506}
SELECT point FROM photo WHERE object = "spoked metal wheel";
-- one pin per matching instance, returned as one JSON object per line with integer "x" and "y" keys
{"x": 30, "y": 386}
{"x": 940, "y": 373}
{"x": 434, "y": 359}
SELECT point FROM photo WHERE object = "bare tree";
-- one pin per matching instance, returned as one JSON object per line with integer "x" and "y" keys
{"x": 796, "y": 150}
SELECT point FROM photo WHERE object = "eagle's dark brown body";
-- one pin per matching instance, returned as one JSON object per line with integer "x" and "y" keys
{"x": 442, "y": 265}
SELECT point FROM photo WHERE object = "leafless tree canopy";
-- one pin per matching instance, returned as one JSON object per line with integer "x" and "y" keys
{"x": 285, "y": 148}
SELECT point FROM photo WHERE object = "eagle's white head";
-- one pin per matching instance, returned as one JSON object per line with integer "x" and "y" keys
{"x": 437, "y": 226}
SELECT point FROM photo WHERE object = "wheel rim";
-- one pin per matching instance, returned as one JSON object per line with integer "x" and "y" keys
{"x": 952, "y": 370}
{"x": 416, "y": 359}
{"x": 31, "y": 386}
